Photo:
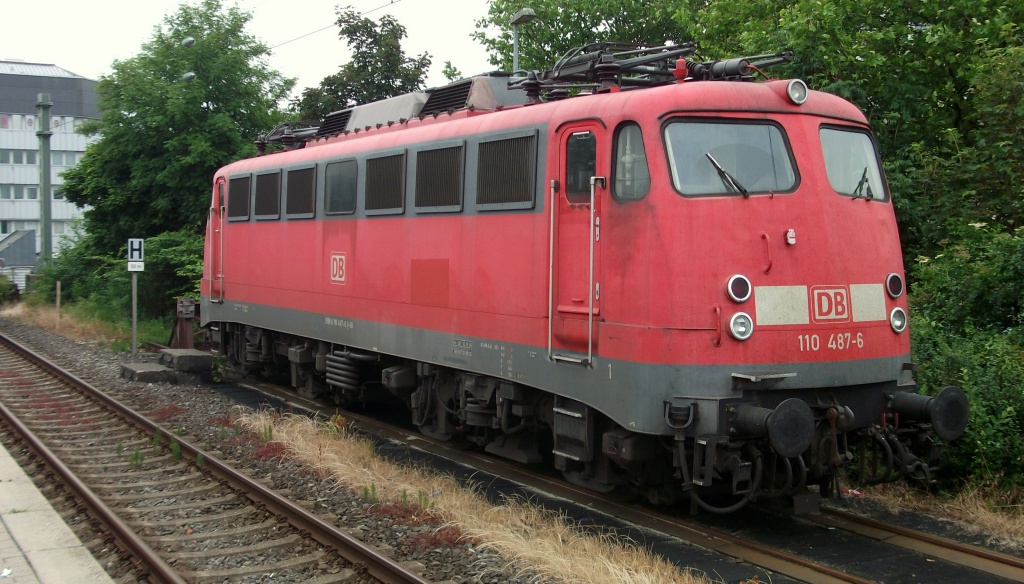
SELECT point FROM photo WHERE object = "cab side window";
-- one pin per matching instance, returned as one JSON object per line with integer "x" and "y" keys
{"x": 581, "y": 164}
{"x": 631, "y": 178}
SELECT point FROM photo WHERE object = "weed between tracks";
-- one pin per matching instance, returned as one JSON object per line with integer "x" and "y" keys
{"x": 531, "y": 538}
{"x": 999, "y": 517}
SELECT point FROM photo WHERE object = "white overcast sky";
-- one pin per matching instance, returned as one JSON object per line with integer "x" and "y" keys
{"x": 87, "y": 37}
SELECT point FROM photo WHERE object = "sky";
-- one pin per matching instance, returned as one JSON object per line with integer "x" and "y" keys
{"x": 87, "y": 37}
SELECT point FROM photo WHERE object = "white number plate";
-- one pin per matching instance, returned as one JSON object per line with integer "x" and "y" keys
{"x": 834, "y": 342}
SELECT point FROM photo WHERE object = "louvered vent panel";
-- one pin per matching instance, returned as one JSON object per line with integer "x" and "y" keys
{"x": 450, "y": 97}
{"x": 334, "y": 123}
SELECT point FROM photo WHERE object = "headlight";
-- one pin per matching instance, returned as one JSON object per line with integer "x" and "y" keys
{"x": 741, "y": 326}
{"x": 894, "y": 285}
{"x": 898, "y": 319}
{"x": 739, "y": 288}
{"x": 797, "y": 91}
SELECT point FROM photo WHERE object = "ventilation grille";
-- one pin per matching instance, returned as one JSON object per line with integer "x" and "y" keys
{"x": 335, "y": 123}
{"x": 448, "y": 98}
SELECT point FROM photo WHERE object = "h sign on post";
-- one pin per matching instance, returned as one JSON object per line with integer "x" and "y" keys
{"x": 135, "y": 255}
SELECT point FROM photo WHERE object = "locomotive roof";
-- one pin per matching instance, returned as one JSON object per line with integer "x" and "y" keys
{"x": 643, "y": 80}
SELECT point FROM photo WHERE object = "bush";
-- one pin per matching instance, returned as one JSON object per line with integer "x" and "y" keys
{"x": 968, "y": 330}
{"x": 173, "y": 269}
{"x": 8, "y": 291}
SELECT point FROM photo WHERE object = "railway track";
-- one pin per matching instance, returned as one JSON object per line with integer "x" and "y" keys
{"x": 182, "y": 514}
{"x": 863, "y": 540}
{"x": 726, "y": 551}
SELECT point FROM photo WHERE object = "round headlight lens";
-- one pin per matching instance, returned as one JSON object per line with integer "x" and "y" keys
{"x": 797, "y": 91}
{"x": 739, "y": 288}
{"x": 898, "y": 319}
{"x": 741, "y": 326}
{"x": 894, "y": 285}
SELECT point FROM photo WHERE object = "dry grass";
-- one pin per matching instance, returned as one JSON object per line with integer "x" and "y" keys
{"x": 45, "y": 317}
{"x": 532, "y": 539}
{"x": 997, "y": 516}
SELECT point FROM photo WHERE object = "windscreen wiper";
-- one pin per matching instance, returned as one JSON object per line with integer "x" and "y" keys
{"x": 860, "y": 186}
{"x": 727, "y": 178}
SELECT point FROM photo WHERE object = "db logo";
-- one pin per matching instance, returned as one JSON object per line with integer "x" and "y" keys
{"x": 338, "y": 267}
{"x": 831, "y": 303}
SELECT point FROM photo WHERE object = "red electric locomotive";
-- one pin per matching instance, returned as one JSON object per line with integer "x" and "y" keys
{"x": 653, "y": 273}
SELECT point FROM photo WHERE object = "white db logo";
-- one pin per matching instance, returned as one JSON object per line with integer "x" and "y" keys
{"x": 338, "y": 267}
{"x": 831, "y": 304}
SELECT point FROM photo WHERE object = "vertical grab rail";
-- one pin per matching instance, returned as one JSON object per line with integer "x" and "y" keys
{"x": 593, "y": 227}
{"x": 552, "y": 202}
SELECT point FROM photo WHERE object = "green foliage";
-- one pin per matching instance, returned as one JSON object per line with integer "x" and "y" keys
{"x": 161, "y": 138}
{"x": 378, "y": 69}
{"x": 451, "y": 72}
{"x": 968, "y": 330}
{"x": 173, "y": 270}
{"x": 135, "y": 459}
{"x": 562, "y": 25}
{"x": 8, "y": 291}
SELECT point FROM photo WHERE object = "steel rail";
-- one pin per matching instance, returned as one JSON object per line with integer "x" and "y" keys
{"x": 1000, "y": 564}
{"x": 127, "y": 538}
{"x": 736, "y": 547}
{"x": 377, "y": 565}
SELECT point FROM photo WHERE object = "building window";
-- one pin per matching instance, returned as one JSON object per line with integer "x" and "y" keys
{"x": 30, "y": 157}
{"x": 5, "y": 156}
{"x": 58, "y": 193}
{"x": 19, "y": 192}
{"x": 58, "y": 227}
{"x": 31, "y": 192}
{"x": 5, "y": 191}
{"x": 17, "y": 157}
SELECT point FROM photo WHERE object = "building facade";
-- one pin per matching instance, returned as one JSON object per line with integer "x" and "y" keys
{"x": 74, "y": 101}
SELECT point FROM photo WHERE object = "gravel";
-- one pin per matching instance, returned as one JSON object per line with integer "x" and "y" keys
{"x": 199, "y": 412}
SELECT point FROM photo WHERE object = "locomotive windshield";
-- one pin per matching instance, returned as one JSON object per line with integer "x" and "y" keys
{"x": 852, "y": 163}
{"x": 723, "y": 158}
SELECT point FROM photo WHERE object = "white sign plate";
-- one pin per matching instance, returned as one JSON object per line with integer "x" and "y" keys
{"x": 136, "y": 266}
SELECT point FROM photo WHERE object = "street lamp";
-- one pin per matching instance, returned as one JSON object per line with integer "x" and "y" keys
{"x": 522, "y": 17}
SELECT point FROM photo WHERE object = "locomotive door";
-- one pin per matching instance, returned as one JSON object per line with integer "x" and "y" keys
{"x": 216, "y": 223}
{"x": 575, "y": 203}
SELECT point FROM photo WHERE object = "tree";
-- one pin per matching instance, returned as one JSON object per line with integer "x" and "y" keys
{"x": 161, "y": 137}
{"x": 379, "y": 68}
{"x": 562, "y": 25}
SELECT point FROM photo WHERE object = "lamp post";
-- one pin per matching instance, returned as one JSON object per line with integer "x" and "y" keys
{"x": 522, "y": 17}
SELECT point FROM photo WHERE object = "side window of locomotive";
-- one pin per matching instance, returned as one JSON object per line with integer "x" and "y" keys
{"x": 728, "y": 158}
{"x": 300, "y": 193}
{"x": 340, "y": 187}
{"x": 631, "y": 178}
{"x": 580, "y": 165}
{"x": 506, "y": 171}
{"x": 385, "y": 185}
{"x": 238, "y": 198}
{"x": 439, "y": 174}
{"x": 851, "y": 162}
{"x": 268, "y": 195}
